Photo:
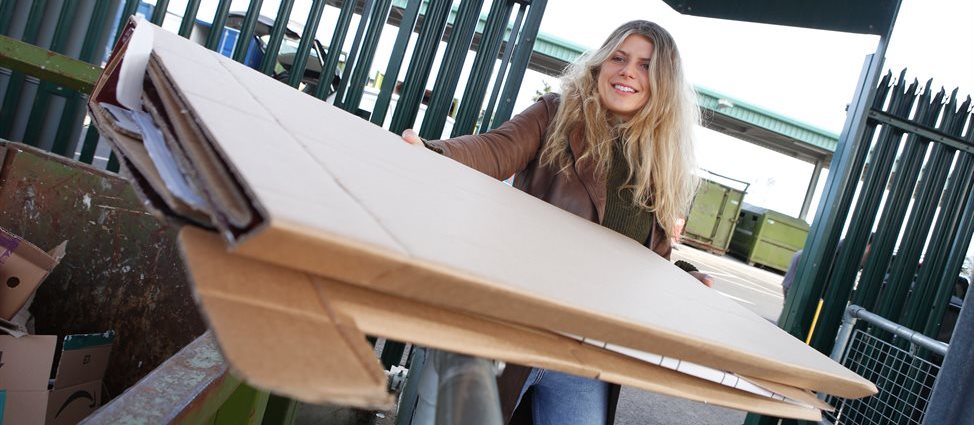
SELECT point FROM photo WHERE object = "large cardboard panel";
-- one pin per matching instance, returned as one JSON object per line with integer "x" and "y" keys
{"x": 25, "y": 407}
{"x": 361, "y": 311}
{"x": 257, "y": 330}
{"x": 364, "y": 208}
{"x": 26, "y": 362}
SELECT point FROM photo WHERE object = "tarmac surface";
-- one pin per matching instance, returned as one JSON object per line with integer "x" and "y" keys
{"x": 757, "y": 289}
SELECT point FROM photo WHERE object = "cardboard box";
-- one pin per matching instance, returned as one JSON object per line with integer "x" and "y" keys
{"x": 23, "y": 268}
{"x": 306, "y": 192}
{"x": 30, "y": 396}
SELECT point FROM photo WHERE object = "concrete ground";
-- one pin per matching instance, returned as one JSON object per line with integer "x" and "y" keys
{"x": 757, "y": 289}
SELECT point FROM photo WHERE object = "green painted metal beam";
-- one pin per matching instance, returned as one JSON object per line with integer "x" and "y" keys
{"x": 47, "y": 65}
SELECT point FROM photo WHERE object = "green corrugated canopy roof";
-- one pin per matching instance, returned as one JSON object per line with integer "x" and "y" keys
{"x": 855, "y": 16}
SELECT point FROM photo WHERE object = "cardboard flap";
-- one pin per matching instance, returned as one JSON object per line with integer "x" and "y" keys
{"x": 105, "y": 87}
{"x": 353, "y": 309}
{"x": 25, "y": 363}
{"x": 255, "y": 319}
{"x": 23, "y": 267}
{"x": 83, "y": 358}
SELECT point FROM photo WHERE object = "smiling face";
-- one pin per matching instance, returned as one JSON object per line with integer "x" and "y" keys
{"x": 623, "y": 81}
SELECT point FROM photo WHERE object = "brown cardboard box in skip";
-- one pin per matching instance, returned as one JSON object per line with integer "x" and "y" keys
{"x": 29, "y": 396}
{"x": 23, "y": 267}
{"x": 295, "y": 185}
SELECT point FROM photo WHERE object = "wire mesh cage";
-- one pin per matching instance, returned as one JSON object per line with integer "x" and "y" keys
{"x": 905, "y": 381}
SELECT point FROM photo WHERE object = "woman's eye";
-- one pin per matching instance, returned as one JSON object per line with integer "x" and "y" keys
{"x": 617, "y": 59}
{"x": 645, "y": 66}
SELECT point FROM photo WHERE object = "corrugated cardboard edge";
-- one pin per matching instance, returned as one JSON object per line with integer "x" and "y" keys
{"x": 256, "y": 332}
{"x": 799, "y": 394}
{"x": 353, "y": 310}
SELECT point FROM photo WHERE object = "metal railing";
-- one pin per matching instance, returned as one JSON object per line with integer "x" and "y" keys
{"x": 905, "y": 379}
{"x": 445, "y": 388}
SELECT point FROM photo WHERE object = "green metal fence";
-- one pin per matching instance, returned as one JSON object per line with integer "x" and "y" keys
{"x": 51, "y": 53}
{"x": 47, "y": 111}
{"x": 909, "y": 217}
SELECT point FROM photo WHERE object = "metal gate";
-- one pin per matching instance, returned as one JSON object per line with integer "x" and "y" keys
{"x": 51, "y": 52}
{"x": 910, "y": 198}
{"x": 894, "y": 363}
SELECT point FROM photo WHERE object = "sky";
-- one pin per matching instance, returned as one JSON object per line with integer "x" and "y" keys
{"x": 807, "y": 75}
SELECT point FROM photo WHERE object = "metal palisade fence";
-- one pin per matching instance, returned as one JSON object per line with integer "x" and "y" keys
{"x": 47, "y": 109}
{"x": 909, "y": 217}
{"x": 44, "y": 34}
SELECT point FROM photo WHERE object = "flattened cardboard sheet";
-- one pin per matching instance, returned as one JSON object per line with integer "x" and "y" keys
{"x": 333, "y": 364}
{"x": 28, "y": 362}
{"x": 360, "y": 311}
{"x": 340, "y": 198}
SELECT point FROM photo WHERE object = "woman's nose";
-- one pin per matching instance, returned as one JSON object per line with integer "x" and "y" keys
{"x": 627, "y": 70}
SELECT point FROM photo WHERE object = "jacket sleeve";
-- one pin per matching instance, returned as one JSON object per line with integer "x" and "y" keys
{"x": 505, "y": 150}
{"x": 659, "y": 243}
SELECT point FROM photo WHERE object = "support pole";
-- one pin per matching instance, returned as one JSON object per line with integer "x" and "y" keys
{"x": 810, "y": 192}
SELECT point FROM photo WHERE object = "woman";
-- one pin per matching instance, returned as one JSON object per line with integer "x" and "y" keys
{"x": 614, "y": 148}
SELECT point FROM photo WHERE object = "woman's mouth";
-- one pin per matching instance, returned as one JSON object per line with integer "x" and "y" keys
{"x": 623, "y": 88}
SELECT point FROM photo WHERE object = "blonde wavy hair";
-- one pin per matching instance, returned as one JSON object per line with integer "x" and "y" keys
{"x": 657, "y": 141}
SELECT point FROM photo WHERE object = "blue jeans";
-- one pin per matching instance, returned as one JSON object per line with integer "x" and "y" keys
{"x": 563, "y": 399}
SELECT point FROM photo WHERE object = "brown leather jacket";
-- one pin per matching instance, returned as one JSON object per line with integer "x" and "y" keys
{"x": 514, "y": 148}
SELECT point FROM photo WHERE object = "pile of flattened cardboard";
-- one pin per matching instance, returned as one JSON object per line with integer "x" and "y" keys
{"x": 28, "y": 392}
{"x": 309, "y": 228}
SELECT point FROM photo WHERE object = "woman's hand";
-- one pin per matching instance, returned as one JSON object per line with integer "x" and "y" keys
{"x": 410, "y": 136}
{"x": 703, "y": 278}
